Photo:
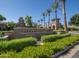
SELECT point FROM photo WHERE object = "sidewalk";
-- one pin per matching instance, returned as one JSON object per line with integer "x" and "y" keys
{"x": 76, "y": 55}
{"x": 72, "y": 53}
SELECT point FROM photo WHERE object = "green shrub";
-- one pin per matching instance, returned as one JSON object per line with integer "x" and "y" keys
{"x": 50, "y": 38}
{"x": 36, "y": 52}
{"x": 29, "y": 52}
{"x": 10, "y": 54}
{"x": 17, "y": 44}
{"x": 47, "y": 50}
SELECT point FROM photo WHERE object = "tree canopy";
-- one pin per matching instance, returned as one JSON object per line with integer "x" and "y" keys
{"x": 10, "y": 25}
{"x": 28, "y": 21}
{"x": 74, "y": 20}
{"x": 2, "y": 18}
{"x": 54, "y": 6}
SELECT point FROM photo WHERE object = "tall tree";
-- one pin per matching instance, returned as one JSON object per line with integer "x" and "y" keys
{"x": 54, "y": 8}
{"x": 74, "y": 20}
{"x": 28, "y": 21}
{"x": 38, "y": 21}
{"x": 64, "y": 13}
{"x": 41, "y": 21}
{"x": 2, "y": 18}
{"x": 48, "y": 13}
{"x": 10, "y": 25}
{"x": 44, "y": 15}
{"x": 21, "y": 20}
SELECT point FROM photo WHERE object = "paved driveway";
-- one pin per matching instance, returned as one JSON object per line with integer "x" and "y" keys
{"x": 72, "y": 53}
{"x": 76, "y": 55}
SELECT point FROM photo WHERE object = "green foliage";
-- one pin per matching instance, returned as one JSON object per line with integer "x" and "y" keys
{"x": 29, "y": 52}
{"x": 28, "y": 21}
{"x": 55, "y": 6}
{"x": 74, "y": 20}
{"x": 10, "y": 25}
{"x": 44, "y": 14}
{"x": 2, "y": 33}
{"x": 48, "y": 12}
{"x": 47, "y": 50}
{"x": 17, "y": 44}
{"x": 50, "y": 38}
{"x": 35, "y": 52}
{"x": 59, "y": 30}
{"x": 2, "y": 18}
{"x": 9, "y": 54}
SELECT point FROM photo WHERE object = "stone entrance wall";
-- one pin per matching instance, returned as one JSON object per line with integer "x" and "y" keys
{"x": 31, "y": 30}
{"x": 23, "y": 32}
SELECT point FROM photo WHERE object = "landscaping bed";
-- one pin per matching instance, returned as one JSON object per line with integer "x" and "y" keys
{"x": 17, "y": 44}
{"x": 50, "y": 38}
{"x": 47, "y": 50}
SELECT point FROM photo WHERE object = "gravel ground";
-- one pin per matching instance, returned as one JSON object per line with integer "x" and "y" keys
{"x": 72, "y": 53}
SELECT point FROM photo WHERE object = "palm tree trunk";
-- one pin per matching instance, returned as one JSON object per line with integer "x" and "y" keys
{"x": 64, "y": 13}
{"x": 44, "y": 20}
{"x": 56, "y": 14}
{"x": 41, "y": 22}
{"x": 55, "y": 11}
{"x": 49, "y": 19}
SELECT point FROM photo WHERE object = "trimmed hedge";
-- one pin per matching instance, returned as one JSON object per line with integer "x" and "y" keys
{"x": 50, "y": 38}
{"x": 17, "y": 44}
{"x": 47, "y": 50}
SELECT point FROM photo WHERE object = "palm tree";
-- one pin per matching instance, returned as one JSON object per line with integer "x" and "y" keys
{"x": 64, "y": 13}
{"x": 44, "y": 15}
{"x": 41, "y": 21}
{"x": 38, "y": 21}
{"x": 54, "y": 7}
{"x": 48, "y": 13}
{"x": 28, "y": 21}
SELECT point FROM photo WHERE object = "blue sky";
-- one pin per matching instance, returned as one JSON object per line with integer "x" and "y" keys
{"x": 13, "y": 9}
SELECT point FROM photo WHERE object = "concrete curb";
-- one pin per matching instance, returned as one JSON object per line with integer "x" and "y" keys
{"x": 65, "y": 50}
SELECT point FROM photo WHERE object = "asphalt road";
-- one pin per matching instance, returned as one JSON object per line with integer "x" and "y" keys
{"x": 76, "y": 55}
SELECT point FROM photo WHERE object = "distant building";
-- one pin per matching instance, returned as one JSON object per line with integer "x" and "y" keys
{"x": 55, "y": 24}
